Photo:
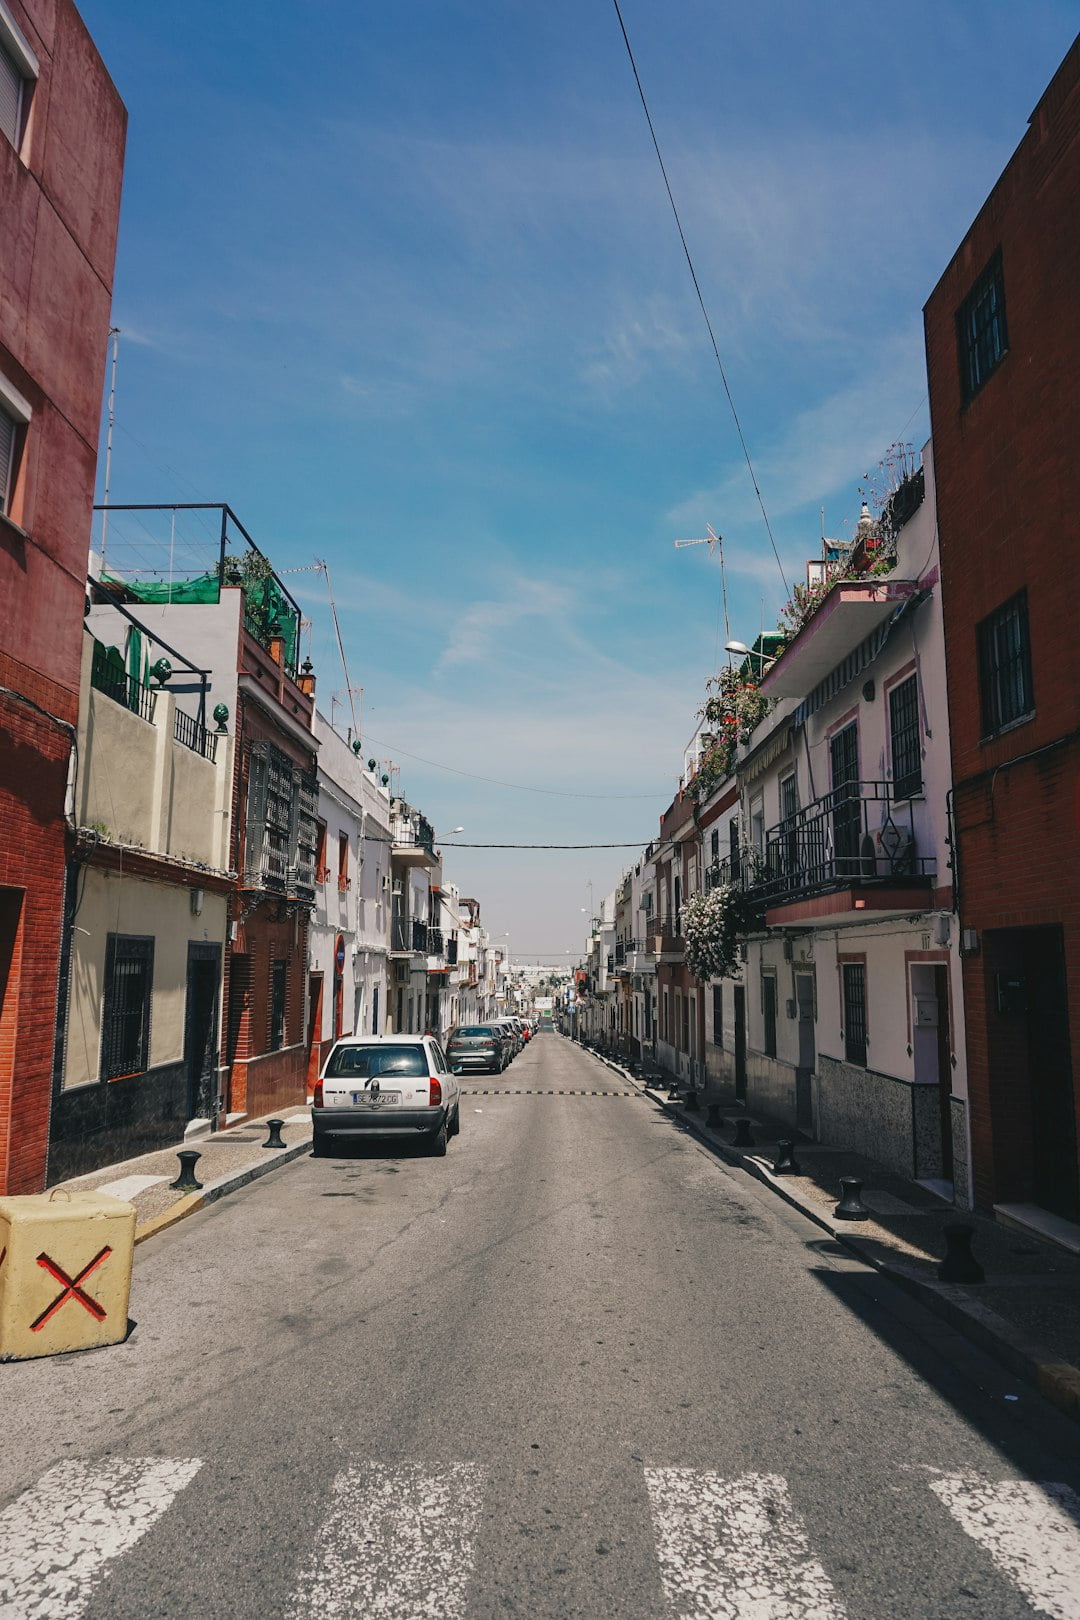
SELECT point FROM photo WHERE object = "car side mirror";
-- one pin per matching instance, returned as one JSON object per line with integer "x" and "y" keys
{"x": 457, "y": 1071}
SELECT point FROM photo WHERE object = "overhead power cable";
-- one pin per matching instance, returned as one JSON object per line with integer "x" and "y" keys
{"x": 700, "y": 296}
{"x": 495, "y": 781}
{"x": 637, "y": 844}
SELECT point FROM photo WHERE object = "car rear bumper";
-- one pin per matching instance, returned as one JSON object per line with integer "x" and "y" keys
{"x": 469, "y": 1065}
{"x": 388, "y": 1121}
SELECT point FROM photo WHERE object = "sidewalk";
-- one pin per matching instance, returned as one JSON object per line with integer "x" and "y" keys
{"x": 1026, "y": 1312}
{"x": 228, "y": 1160}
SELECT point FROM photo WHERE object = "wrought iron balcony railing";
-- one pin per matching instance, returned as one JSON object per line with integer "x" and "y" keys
{"x": 188, "y": 731}
{"x": 849, "y": 836}
{"x": 108, "y": 676}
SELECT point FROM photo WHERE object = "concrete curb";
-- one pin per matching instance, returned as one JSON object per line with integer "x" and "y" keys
{"x": 213, "y": 1190}
{"x": 1058, "y": 1382}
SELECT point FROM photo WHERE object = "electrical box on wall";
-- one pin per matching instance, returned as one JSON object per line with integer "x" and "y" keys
{"x": 926, "y": 1012}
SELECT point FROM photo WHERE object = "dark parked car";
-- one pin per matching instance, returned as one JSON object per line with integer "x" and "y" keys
{"x": 476, "y": 1049}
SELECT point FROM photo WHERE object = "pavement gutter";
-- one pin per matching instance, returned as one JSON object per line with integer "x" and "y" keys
{"x": 213, "y": 1190}
{"x": 1058, "y": 1382}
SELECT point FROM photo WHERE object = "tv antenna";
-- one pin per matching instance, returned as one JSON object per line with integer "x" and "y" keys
{"x": 715, "y": 543}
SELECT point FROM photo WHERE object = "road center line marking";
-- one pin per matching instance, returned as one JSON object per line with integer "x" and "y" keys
{"x": 57, "y": 1537}
{"x": 397, "y": 1542}
{"x": 735, "y": 1549}
{"x": 1030, "y": 1530}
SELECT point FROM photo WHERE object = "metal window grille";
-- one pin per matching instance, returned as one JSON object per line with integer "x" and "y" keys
{"x": 855, "y": 1013}
{"x": 11, "y": 96}
{"x": 717, "y": 1015}
{"x": 279, "y": 979}
{"x": 982, "y": 337}
{"x": 904, "y": 732}
{"x": 125, "y": 1019}
{"x": 1004, "y": 645}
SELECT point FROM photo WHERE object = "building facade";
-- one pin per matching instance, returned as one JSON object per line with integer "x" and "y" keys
{"x": 62, "y": 131}
{"x": 1003, "y": 356}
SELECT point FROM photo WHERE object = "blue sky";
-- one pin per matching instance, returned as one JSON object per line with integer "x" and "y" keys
{"x": 401, "y": 284}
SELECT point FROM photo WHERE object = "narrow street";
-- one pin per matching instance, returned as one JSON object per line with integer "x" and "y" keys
{"x": 577, "y": 1368}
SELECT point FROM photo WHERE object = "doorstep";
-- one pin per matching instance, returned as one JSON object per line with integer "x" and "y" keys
{"x": 1041, "y": 1223}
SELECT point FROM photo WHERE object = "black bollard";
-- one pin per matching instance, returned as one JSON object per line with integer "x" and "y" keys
{"x": 851, "y": 1206}
{"x": 185, "y": 1181}
{"x": 744, "y": 1136}
{"x": 673, "y": 1091}
{"x": 692, "y": 1104}
{"x": 274, "y": 1139}
{"x": 959, "y": 1264}
{"x": 714, "y": 1118}
{"x": 785, "y": 1163}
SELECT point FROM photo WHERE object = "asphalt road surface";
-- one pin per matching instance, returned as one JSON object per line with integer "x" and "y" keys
{"x": 577, "y": 1368}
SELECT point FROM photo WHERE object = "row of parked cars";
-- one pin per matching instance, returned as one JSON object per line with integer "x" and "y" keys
{"x": 406, "y": 1086}
{"x": 488, "y": 1048}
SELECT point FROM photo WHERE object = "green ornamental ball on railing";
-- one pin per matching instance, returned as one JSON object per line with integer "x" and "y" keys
{"x": 221, "y": 715}
{"x": 160, "y": 671}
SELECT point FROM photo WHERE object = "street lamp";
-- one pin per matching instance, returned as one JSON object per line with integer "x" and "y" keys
{"x": 454, "y": 830}
{"x": 741, "y": 650}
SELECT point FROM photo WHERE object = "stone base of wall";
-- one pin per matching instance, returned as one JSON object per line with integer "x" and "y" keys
{"x": 770, "y": 1086}
{"x": 893, "y": 1121}
{"x": 96, "y": 1125}
{"x": 961, "y": 1157}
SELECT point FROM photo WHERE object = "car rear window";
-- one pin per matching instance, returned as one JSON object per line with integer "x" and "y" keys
{"x": 462, "y": 1034}
{"x": 368, "y": 1061}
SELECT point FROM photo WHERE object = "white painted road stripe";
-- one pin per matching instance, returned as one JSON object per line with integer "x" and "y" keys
{"x": 735, "y": 1549}
{"x": 56, "y": 1538}
{"x": 397, "y": 1542}
{"x": 1031, "y": 1531}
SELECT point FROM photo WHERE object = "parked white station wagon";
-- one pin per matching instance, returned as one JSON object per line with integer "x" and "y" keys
{"x": 386, "y": 1086}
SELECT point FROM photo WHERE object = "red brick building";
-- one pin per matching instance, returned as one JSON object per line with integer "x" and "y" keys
{"x": 62, "y": 131}
{"x": 1003, "y": 355}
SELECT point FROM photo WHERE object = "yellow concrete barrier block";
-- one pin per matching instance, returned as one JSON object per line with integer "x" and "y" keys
{"x": 65, "y": 1272}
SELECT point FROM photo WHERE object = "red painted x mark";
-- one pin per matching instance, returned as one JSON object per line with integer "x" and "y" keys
{"x": 71, "y": 1288}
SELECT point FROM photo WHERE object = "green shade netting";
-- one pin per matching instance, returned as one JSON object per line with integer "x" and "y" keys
{"x": 204, "y": 588}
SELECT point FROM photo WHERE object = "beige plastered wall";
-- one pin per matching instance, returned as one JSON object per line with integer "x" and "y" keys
{"x": 112, "y": 902}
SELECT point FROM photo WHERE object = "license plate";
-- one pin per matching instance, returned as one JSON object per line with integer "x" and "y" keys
{"x": 378, "y": 1100}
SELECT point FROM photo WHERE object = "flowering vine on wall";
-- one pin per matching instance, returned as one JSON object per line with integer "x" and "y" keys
{"x": 731, "y": 710}
{"x": 711, "y": 925}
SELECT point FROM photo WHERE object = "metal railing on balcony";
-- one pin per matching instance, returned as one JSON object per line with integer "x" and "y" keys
{"x": 452, "y": 952}
{"x": 108, "y": 676}
{"x": 849, "y": 836}
{"x": 188, "y": 731}
{"x": 435, "y": 941}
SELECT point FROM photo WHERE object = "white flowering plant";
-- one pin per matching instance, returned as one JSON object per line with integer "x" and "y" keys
{"x": 711, "y": 926}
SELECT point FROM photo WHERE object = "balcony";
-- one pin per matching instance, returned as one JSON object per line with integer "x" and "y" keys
{"x": 667, "y": 940}
{"x": 408, "y": 937}
{"x": 109, "y": 676}
{"x": 414, "y": 842}
{"x": 841, "y": 859}
{"x": 190, "y": 734}
{"x": 852, "y": 610}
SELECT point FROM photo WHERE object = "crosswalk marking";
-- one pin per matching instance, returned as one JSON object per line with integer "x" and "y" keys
{"x": 1031, "y": 1531}
{"x": 396, "y": 1542}
{"x": 735, "y": 1549}
{"x": 57, "y": 1537}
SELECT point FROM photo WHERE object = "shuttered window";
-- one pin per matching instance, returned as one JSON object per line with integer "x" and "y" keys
{"x": 8, "y": 426}
{"x": 11, "y": 94}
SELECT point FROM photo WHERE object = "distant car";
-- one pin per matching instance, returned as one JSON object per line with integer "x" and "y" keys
{"x": 386, "y": 1086}
{"x": 509, "y": 1033}
{"x": 477, "y": 1049}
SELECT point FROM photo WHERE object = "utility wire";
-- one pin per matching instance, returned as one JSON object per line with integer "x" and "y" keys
{"x": 700, "y": 297}
{"x": 638, "y": 844}
{"x": 495, "y": 781}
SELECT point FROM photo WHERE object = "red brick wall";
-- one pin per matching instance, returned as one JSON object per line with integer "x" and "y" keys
{"x": 1004, "y": 468}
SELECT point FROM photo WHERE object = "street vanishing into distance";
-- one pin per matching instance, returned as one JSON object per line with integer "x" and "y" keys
{"x": 577, "y": 1367}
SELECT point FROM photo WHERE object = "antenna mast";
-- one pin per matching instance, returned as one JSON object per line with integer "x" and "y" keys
{"x": 715, "y": 543}
{"x": 114, "y": 333}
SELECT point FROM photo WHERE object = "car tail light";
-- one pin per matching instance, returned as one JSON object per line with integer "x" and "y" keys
{"x": 316, "y": 1099}
{"x": 434, "y": 1092}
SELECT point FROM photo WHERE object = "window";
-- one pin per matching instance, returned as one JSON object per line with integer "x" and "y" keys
{"x": 375, "y": 1010}
{"x": 682, "y": 1004}
{"x": 1004, "y": 648}
{"x": 981, "y": 336}
{"x": 855, "y": 1013}
{"x": 14, "y": 415}
{"x": 718, "y": 1015}
{"x": 279, "y": 978}
{"x": 904, "y": 734}
{"x": 768, "y": 1007}
{"x": 125, "y": 1022}
{"x": 714, "y": 846}
{"x": 18, "y": 73}
{"x": 322, "y": 871}
{"x": 343, "y": 862}
{"x": 757, "y": 824}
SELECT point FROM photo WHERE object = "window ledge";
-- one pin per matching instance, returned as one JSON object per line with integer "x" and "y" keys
{"x": 9, "y": 526}
{"x": 1003, "y": 731}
